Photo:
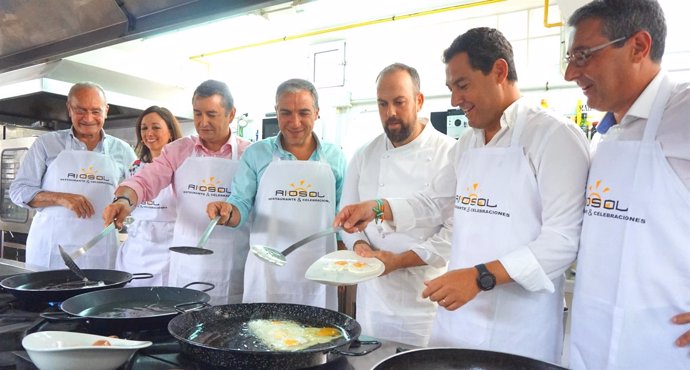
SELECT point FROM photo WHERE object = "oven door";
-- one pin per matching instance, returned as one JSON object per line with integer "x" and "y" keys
{"x": 13, "y": 217}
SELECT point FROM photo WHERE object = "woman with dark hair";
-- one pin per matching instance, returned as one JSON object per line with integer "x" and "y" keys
{"x": 150, "y": 234}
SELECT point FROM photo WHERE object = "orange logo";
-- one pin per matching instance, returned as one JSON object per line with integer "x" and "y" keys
{"x": 597, "y": 198}
{"x": 210, "y": 185}
{"x": 473, "y": 198}
{"x": 299, "y": 189}
{"x": 89, "y": 174}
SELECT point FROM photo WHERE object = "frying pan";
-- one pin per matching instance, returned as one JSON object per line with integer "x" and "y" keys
{"x": 123, "y": 309}
{"x": 59, "y": 285}
{"x": 461, "y": 359}
{"x": 213, "y": 336}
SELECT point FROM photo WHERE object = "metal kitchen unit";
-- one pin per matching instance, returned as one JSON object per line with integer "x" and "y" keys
{"x": 13, "y": 217}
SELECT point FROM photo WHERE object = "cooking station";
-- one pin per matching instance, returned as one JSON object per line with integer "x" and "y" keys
{"x": 18, "y": 319}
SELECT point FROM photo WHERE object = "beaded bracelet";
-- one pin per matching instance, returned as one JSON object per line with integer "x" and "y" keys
{"x": 378, "y": 211}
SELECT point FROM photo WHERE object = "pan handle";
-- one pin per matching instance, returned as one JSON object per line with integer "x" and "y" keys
{"x": 60, "y": 316}
{"x": 195, "y": 306}
{"x": 200, "y": 283}
{"x": 364, "y": 346}
{"x": 141, "y": 275}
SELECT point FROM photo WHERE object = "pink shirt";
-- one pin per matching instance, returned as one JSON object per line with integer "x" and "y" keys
{"x": 160, "y": 173}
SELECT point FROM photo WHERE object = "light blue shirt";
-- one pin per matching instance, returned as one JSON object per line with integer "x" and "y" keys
{"x": 259, "y": 155}
{"x": 45, "y": 149}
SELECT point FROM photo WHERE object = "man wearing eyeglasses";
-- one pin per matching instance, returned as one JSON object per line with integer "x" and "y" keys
{"x": 515, "y": 188}
{"x": 632, "y": 293}
{"x": 69, "y": 176}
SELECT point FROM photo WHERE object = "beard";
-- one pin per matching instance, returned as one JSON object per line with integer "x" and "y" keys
{"x": 399, "y": 134}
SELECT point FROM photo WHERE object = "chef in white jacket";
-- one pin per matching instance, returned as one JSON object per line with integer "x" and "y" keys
{"x": 398, "y": 163}
{"x": 150, "y": 235}
{"x": 516, "y": 186}
{"x": 69, "y": 176}
{"x": 631, "y": 307}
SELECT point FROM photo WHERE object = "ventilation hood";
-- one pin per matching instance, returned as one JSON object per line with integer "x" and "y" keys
{"x": 38, "y": 31}
{"x": 36, "y": 95}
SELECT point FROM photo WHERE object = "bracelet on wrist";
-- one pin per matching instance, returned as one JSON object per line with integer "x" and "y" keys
{"x": 129, "y": 202}
{"x": 379, "y": 211}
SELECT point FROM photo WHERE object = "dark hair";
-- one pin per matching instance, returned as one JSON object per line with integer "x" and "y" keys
{"x": 623, "y": 18}
{"x": 402, "y": 67}
{"x": 215, "y": 87}
{"x": 295, "y": 85}
{"x": 484, "y": 46}
{"x": 85, "y": 85}
{"x": 143, "y": 152}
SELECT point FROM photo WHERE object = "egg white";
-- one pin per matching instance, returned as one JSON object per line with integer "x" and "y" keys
{"x": 285, "y": 335}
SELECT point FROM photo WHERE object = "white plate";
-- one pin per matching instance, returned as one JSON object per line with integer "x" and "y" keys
{"x": 318, "y": 271}
{"x": 61, "y": 350}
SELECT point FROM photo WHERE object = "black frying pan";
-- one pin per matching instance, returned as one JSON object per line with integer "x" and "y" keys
{"x": 115, "y": 310}
{"x": 211, "y": 336}
{"x": 59, "y": 285}
{"x": 461, "y": 359}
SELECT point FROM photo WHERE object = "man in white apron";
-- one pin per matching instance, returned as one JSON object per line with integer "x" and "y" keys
{"x": 291, "y": 184}
{"x": 69, "y": 176}
{"x": 631, "y": 308}
{"x": 200, "y": 169}
{"x": 398, "y": 163}
{"x": 517, "y": 191}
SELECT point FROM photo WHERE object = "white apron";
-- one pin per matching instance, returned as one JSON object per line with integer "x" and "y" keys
{"x": 294, "y": 200}
{"x": 93, "y": 175}
{"x": 497, "y": 210}
{"x": 199, "y": 181}
{"x": 148, "y": 239}
{"x": 391, "y": 307}
{"x": 633, "y": 270}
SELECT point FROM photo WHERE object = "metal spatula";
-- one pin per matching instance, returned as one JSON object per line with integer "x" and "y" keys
{"x": 276, "y": 257}
{"x": 69, "y": 259}
{"x": 71, "y": 265}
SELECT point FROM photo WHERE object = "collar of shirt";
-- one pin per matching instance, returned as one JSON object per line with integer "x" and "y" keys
{"x": 643, "y": 104}
{"x": 225, "y": 150}
{"x": 284, "y": 154}
{"x": 75, "y": 140}
{"x": 507, "y": 121}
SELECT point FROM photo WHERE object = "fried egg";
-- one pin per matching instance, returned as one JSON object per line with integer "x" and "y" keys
{"x": 285, "y": 335}
{"x": 354, "y": 266}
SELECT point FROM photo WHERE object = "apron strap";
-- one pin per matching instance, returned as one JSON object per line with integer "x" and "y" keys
{"x": 657, "y": 111}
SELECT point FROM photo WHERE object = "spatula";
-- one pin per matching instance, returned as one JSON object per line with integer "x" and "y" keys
{"x": 276, "y": 257}
{"x": 69, "y": 259}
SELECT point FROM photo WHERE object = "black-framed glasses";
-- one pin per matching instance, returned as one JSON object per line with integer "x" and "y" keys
{"x": 581, "y": 57}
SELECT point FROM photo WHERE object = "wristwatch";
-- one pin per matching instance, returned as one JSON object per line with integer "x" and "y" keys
{"x": 123, "y": 197}
{"x": 485, "y": 280}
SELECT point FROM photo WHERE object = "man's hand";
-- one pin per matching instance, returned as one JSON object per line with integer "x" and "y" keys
{"x": 390, "y": 260}
{"x": 453, "y": 289}
{"x": 682, "y": 319}
{"x": 77, "y": 203}
{"x": 355, "y": 217}
{"x": 226, "y": 212}
{"x": 116, "y": 212}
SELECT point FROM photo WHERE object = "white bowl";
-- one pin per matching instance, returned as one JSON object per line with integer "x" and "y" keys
{"x": 63, "y": 350}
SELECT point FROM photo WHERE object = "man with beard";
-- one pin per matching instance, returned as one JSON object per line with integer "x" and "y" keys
{"x": 516, "y": 188}
{"x": 397, "y": 164}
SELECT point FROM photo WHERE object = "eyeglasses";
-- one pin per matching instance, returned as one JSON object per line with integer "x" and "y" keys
{"x": 82, "y": 112}
{"x": 581, "y": 57}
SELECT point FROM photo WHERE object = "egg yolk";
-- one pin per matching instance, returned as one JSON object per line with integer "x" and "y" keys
{"x": 358, "y": 264}
{"x": 328, "y": 332}
{"x": 340, "y": 263}
{"x": 290, "y": 342}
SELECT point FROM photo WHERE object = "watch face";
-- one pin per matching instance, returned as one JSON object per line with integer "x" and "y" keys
{"x": 487, "y": 281}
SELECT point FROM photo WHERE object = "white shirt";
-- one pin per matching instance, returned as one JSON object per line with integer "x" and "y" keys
{"x": 380, "y": 168}
{"x": 673, "y": 132}
{"x": 558, "y": 154}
